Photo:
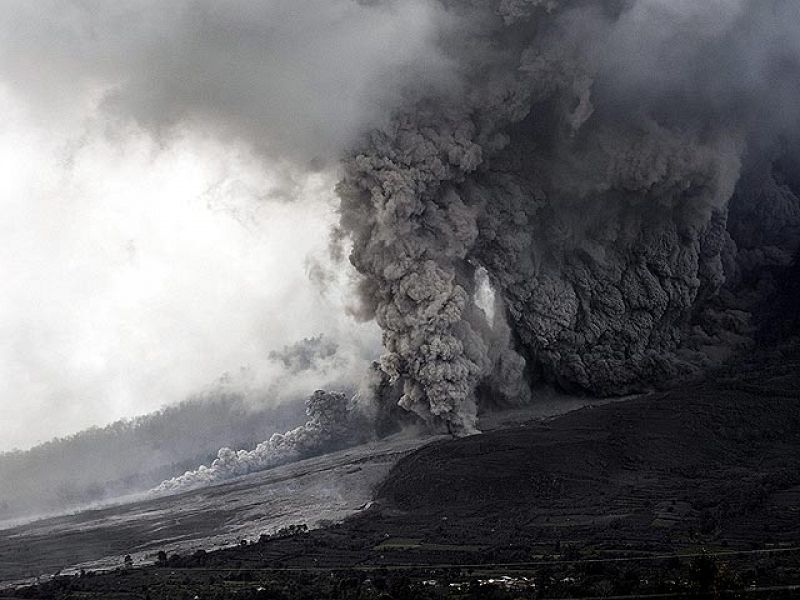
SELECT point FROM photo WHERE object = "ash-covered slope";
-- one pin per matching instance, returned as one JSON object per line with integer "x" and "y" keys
{"x": 712, "y": 463}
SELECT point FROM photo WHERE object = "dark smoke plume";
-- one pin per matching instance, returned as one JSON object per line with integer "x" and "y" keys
{"x": 602, "y": 195}
{"x": 586, "y": 164}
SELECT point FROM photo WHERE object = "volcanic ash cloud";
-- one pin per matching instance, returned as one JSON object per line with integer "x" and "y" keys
{"x": 586, "y": 163}
{"x": 620, "y": 174}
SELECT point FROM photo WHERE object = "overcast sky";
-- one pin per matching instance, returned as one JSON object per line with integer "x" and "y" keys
{"x": 167, "y": 181}
{"x": 135, "y": 274}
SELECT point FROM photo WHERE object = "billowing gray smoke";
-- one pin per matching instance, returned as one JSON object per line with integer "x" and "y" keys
{"x": 586, "y": 164}
{"x": 597, "y": 194}
{"x": 306, "y": 354}
{"x": 332, "y": 423}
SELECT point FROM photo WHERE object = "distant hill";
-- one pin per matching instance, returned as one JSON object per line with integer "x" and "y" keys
{"x": 134, "y": 455}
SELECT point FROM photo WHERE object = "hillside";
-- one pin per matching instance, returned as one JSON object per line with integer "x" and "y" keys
{"x": 705, "y": 467}
{"x": 133, "y": 455}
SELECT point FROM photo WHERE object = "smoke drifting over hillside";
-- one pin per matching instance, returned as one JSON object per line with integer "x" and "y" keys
{"x": 132, "y": 456}
{"x": 591, "y": 194}
{"x": 331, "y": 425}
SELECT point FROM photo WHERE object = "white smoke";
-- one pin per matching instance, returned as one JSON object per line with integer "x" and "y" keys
{"x": 332, "y": 423}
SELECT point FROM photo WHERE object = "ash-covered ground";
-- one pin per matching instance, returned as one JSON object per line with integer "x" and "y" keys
{"x": 693, "y": 490}
{"x": 329, "y": 487}
{"x": 313, "y": 491}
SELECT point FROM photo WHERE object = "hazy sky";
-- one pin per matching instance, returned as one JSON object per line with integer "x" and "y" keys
{"x": 158, "y": 215}
{"x": 134, "y": 274}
